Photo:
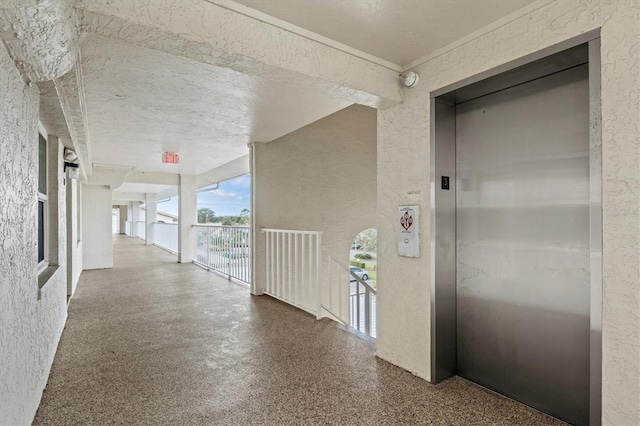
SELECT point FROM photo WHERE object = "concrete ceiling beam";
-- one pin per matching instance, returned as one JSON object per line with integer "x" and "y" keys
{"x": 128, "y": 197}
{"x": 211, "y": 34}
{"x": 115, "y": 176}
{"x": 69, "y": 89}
{"x": 234, "y": 168}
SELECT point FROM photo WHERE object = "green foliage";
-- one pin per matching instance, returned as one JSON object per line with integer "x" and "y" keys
{"x": 356, "y": 263}
{"x": 206, "y": 216}
{"x": 365, "y": 256}
{"x": 368, "y": 239}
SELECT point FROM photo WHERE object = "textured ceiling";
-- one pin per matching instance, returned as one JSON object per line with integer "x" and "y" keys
{"x": 143, "y": 102}
{"x": 398, "y": 31}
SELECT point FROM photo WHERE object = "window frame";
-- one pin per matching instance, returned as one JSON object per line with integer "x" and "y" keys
{"x": 44, "y": 199}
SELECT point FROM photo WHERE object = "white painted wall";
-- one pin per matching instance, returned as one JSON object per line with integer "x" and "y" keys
{"x": 31, "y": 319}
{"x": 97, "y": 236}
{"x": 404, "y": 178}
{"x": 321, "y": 177}
{"x": 74, "y": 244}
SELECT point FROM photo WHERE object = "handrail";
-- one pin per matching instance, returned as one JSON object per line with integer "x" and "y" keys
{"x": 363, "y": 282}
{"x": 293, "y": 263}
{"x": 225, "y": 250}
{"x": 212, "y": 225}
{"x": 354, "y": 307}
{"x": 166, "y": 236}
{"x": 288, "y": 231}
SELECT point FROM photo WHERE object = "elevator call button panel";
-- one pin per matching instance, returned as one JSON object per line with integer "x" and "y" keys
{"x": 409, "y": 231}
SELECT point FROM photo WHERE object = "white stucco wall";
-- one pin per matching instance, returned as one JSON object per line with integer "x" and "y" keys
{"x": 74, "y": 244}
{"x": 32, "y": 319}
{"x": 404, "y": 178}
{"x": 97, "y": 236}
{"x": 321, "y": 177}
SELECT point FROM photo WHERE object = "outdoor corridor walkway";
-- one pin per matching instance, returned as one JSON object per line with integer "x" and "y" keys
{"x": 152, "y": 341}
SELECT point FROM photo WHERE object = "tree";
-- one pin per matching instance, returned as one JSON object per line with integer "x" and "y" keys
{"x": 368, "y": 239}
{"x": 244, "y": 217}
{"x": 206, "y": 215}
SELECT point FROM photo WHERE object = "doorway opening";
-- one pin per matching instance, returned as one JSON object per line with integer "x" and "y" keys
{"x": 363, "y": 282}
{"x": 115, "y": 220}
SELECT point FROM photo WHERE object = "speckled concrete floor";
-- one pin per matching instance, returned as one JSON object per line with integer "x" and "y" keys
{"x": 152, "y": 342}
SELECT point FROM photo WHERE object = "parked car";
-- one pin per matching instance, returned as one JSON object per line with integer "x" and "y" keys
{"x": 356, "y": 246}
{"x": 362, "y": 273}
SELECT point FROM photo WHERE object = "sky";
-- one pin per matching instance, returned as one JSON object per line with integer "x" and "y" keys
{"x": 229, "y": 199}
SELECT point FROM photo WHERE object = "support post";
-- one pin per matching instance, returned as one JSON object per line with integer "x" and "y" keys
{"x": 150, "y": 217}
{"x": 135, "y": 218}
{"x": 187, "y": 213}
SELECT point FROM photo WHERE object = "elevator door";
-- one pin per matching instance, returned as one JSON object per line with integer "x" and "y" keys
{"x": 522, "y": 230}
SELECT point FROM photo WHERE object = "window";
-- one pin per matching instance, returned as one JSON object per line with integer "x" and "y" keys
{"x": 43, "y": 239}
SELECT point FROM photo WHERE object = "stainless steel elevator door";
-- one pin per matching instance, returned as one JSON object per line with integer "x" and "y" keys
{"x": 522, "y": 231}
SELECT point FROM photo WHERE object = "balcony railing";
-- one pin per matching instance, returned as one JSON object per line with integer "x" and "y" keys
{"x": 142, "y": 230}
{"x": 293, "y": 268}
{"x": 225, "y": 249}
{"x": 166, "y": 236}
{"x": 360, "y": 311}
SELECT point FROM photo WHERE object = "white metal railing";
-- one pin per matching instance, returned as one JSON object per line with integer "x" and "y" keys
{"x": 166, "y": 236}
{"x": 293, "y": 268}
{"x": 142, "y": 230}
{"x": 225, "y": 249}
{"x": 349, "y": 298}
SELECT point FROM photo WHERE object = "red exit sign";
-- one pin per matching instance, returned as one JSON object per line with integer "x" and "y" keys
{"x": 170, "y": 158}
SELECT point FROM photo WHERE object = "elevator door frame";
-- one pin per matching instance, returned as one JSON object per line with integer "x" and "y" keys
{"x": 443, "y": 203}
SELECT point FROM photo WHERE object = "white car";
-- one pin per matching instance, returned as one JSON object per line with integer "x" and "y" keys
{"x": 359, "y": 272}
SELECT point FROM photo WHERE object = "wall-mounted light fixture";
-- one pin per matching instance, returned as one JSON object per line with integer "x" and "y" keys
{"x": 70, "y": 162}
{"x": 410, "y": 78}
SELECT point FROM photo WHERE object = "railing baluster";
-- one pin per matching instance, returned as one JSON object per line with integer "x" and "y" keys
{"x": 311, "y": 289}
{"x": 296, "y": 286}
{"x": 289, "y": 269}
{"x": 367, "y": 311}
{"x": 223, "y": 249}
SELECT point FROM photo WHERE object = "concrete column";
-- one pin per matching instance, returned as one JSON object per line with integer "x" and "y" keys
{"x": 135, "y": 217}
{"x": 123, "y": 219}
{"x": 150, "y": 217}
{"x": 129, "y": 216}
{"x": 97, "y": 231}
{"x": 187, "y": 213}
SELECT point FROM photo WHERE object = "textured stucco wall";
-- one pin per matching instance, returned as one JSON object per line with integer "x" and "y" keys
{"x": 404, "y": 177}
{"x": 319, "y": 178}
{"x": 97, "y": 236}
{"x": 42, "y": 36}
{"x": 31, "y": 321}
